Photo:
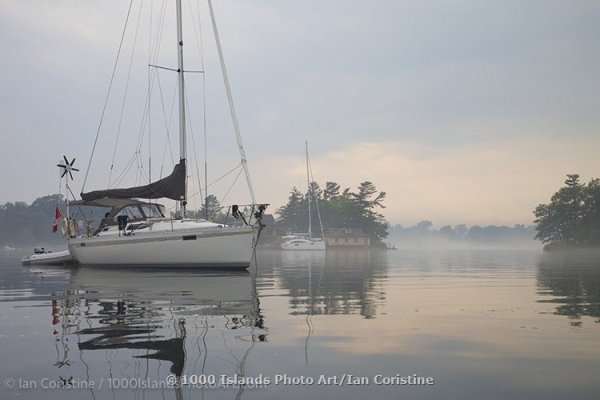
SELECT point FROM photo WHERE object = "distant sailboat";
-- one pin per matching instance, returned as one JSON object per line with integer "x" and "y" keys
{"x": 305, "y": 241}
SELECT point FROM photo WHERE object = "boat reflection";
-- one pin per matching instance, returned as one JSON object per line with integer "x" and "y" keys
{"x": 573, "y": 281}
{"x": 128, "y": 323}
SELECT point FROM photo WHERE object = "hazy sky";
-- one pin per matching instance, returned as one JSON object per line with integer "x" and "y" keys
{"x": 462, "y": 111}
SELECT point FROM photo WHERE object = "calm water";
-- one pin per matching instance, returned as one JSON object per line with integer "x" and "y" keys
{"x": 473, "y": 324}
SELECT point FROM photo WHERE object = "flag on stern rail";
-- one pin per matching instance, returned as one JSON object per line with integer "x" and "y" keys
{"x": 57, "y": 215}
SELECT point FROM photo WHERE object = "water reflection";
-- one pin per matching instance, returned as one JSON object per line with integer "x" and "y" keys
{"x": 146, "y": 325}
{"x": 493, "y": 319}
{"x": 573, "y": 280}
{"x": 335, "y": 282}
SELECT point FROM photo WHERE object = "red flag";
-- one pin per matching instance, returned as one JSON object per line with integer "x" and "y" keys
{"x": 57, "y": 215}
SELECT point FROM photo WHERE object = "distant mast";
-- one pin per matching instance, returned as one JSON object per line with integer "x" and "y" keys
{"x": 308, "y": 193}
{"x": 182, "y": 137}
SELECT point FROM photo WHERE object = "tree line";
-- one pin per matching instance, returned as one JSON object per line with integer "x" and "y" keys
{"x": 23, "y": 224}
{"x": 424, "y": 234}
{"x": 338, "y": 208}
{"x": 572, "y": 217}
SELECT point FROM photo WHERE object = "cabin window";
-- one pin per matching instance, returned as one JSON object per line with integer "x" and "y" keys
{"x": 133, "y": 212}
{"x": 152, "y": 211}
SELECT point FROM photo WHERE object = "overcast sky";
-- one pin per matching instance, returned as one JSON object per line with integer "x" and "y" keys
{"x": 462, "y": 111}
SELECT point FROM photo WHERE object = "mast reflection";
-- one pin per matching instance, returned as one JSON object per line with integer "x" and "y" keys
{"x": 193, "y": 321}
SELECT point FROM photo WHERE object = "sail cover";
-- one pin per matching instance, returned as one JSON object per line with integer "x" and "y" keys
{"x": 171, "y": 187}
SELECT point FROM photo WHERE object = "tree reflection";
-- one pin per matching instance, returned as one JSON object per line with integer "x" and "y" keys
{"x": 338, "y": 282}
{"x": 573, "y": 280}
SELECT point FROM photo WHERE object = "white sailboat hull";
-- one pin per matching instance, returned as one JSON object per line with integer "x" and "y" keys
{"x": 303, "y": 244}
{"x": 202, "y": 248}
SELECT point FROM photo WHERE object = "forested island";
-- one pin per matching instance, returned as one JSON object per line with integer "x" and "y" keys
{"x": 337, "y": 208}
{"x": 572, "y": 218}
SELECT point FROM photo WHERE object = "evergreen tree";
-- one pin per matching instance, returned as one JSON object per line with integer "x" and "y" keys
{"x": 573, "y": 214}
{"x": 332, "y": 190}
{"x": 211, "y": 207}
{"x": 292, "y": 216}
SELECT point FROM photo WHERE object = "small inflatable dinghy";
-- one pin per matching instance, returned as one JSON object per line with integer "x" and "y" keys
{"x": 42, "y": 256}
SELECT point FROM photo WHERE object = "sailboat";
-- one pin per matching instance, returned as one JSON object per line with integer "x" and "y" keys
{"x": 138, "y": 233}
{"x": 305, "y": 241}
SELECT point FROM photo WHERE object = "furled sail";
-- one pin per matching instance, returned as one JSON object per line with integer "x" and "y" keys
{"x": 171, "y": 187}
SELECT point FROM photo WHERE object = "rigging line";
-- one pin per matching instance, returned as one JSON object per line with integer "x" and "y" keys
{"x": 145, "y": 119}
{"x": 159, "y": 67}
{"x": 229, "y": 190}
{"x": 149, "y": 85}
{"x": 223, "y": 176}
{"x": 137, "y": 172}
{"x": 236, "y": 127}
{"x": 204, "y": 130}
{"x": 150, "y": 32}
{"x": 78, "y": 205}
{"x": 312, "y": 178}
{"x": 137, "y": 152}
{"x": 308, "y": 192}
{"x": 191, "y": 134}
{"x": 142, "y": 171}
{"x": 149, "y": 131}
{"x": 167, "y": 124}
{"x": 125, "y": 95}
{"x": 213, "y": 183}
{"x": 200, "y": 43}
{"x": 107, "y": 96}
{"x": 152, "y": 75}
{"x": 140, "y": 140}
{"x": 198, "y": 36}
{"x": 151, "y": 80}
{"x": 145, "y": 114}
{"x": 159, "y": 33}
{"x": 126, "y": 169}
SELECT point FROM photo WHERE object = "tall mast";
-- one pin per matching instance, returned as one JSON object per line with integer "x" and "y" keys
{"x": 308, "y": 193}
{"x": 182, "y": 136}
